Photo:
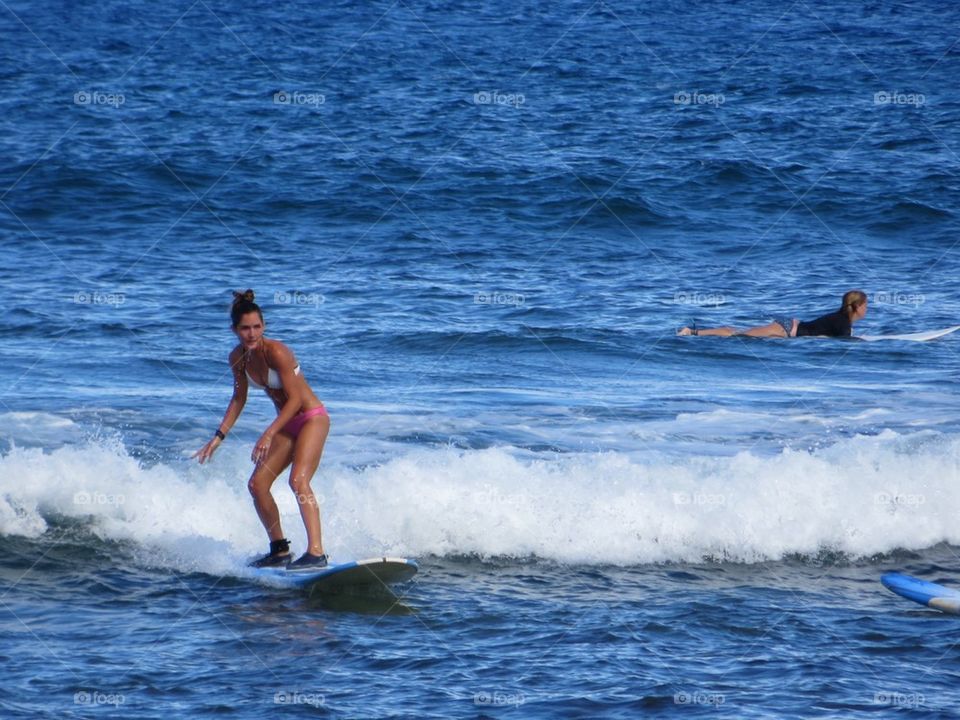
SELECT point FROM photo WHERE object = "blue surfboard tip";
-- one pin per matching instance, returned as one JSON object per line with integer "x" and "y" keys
{"x": 923, "y": 592}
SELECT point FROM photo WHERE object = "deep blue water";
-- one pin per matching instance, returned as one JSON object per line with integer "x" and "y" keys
{"x": 479, "y": 228}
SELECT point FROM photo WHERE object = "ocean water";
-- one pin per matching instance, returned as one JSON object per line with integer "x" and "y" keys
{"x": 479, "y": 227}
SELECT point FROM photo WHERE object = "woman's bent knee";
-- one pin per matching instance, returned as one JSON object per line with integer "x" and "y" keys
{"x": 301, "y": 486}
{"x": 260, "y": 484}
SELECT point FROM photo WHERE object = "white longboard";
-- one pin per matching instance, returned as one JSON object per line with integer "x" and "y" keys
{"x": 913, "y": 337}
{"x": 374, "y": 572}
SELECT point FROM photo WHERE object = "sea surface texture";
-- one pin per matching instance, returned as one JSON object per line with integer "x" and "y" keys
{"x": 479, "y": 226}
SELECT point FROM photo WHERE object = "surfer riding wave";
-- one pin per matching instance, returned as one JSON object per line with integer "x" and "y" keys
{"x": 296, "y": 436}
{"x": 835, "y": 324}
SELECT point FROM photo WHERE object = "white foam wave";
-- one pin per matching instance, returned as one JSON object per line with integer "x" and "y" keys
{"x": 38, "y": 428}
{"x": 861, "y": 496}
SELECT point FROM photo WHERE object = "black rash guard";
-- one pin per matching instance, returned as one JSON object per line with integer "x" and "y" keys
{"x": 836, "y": 324}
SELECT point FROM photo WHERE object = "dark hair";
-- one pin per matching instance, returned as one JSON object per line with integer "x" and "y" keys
{"x": 242, "y": 304}
{"x": 852, "y": 300}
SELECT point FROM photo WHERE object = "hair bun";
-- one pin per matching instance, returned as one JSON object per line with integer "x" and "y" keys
{"x": 246, "y": 296}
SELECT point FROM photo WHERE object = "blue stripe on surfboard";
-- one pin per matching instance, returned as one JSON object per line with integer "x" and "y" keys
{"x": 924, "y": 592}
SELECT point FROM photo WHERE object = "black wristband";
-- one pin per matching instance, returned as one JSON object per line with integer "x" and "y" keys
{"x": 220, "y": 434}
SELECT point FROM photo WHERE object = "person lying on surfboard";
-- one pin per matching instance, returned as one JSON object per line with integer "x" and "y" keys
{"x": 835, "y": 324}
{"x": 297, "y": 435}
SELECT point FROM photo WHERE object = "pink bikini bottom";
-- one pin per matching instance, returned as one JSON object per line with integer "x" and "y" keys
{"x": 298, "y": 421}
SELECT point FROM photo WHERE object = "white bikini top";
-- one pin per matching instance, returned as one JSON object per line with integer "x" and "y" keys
{"x": 273, "y": 379}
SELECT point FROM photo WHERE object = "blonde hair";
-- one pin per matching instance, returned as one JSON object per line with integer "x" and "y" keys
{"x": 852, "y": 299}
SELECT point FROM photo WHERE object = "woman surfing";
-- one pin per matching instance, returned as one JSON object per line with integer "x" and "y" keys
{"x": 836, "y": 324}
{"x": 296, "y": 436}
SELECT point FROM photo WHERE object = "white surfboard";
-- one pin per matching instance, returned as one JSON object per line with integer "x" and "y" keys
{"x": 374, "y": 572}
{"x": 913, "y": 337}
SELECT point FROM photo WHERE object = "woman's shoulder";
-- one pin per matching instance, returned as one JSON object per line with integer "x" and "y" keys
{"x": 276, "y": 351}
{"x": 236, "y": 355}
